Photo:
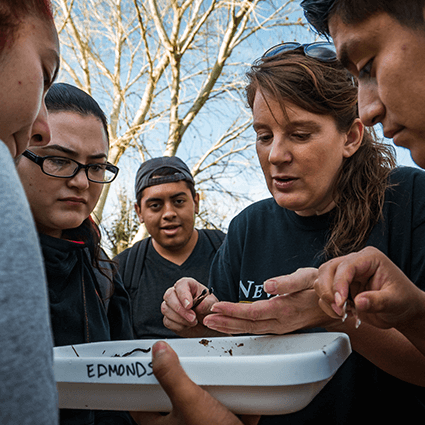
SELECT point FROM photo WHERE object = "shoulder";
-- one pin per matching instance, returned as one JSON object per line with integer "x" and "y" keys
{"x": 256, "y": 212}
{"x": 121, "y": 258}
{"x": 212, "y": 233}
{"x": 407, "y": 181}
{"x": 405, "y": 175}
{"x": 406, "y": 194}
{"x": 215, "y": 237}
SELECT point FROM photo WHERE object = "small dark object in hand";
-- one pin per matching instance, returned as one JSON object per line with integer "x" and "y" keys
{"x": 204, "y": 294}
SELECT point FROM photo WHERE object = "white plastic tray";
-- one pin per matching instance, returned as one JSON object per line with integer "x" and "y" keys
{"x": 251, "y": 375}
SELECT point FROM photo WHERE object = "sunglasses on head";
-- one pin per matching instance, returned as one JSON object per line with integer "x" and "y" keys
{"x": 321, "y": 50}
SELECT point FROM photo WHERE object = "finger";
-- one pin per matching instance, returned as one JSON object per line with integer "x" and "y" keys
{"x": 257, "y": 310}
{"x": 250, "y": 419}
{"x": 205, "y": 307}
{"x": 231, "y": 325}
{"x": 173, "y": 307}
{"x": 372, "y": 302}
{"x": 168, "y": 371}
{"x": 300, "y": 280}
{"x": 187, "y": 289}
{"x": 356, "y": 268}
{"x": 331, "y": 310}
{"x": 324, "y": 284}
{"x": 145, "y": 418}
{"x": 190, "y": 402}
{"x": 175, "y": 321}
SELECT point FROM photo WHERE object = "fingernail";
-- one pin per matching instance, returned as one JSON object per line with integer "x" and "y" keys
{"x": 190, "y": 316}
{"x": 186, "y": 303}
{"x": 215, "y": 309}
{"x": 159, "y": 349}
{"x": 336, "y": 309}
{"x": 345, "y": 315}
{"x": 209, "y": 324}
{"x": 270, "y": 286}
{"x": 338, "y": 299}
{"x": 358, "y": 323}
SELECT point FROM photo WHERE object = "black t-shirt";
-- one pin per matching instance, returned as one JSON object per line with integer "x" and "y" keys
{"x": 266, "y": 240}
{"x": 158, "y": 274}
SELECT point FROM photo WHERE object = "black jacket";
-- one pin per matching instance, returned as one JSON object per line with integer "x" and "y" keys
{"x": 79, "y": 315}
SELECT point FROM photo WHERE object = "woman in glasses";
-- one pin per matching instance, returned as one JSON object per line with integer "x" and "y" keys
{"x": 334, "y": 191}
{"x": 63, "y": 181}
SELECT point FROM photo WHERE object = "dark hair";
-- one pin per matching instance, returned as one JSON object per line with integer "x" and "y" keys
{"x": 167, "y": 171}
{"x": 12, "y": 12}
{"x": 318, "y": 12}
{"x": 63, "y": 97}
{"x": 328, "y": 89}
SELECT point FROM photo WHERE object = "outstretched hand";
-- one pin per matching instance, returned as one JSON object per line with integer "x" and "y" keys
{"x": 294, "y": 307}
{"x": 191, "y": 404}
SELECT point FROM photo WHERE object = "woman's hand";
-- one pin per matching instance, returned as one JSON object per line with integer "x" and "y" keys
{"x": 294, "y": 307}
{"x": 177, "y": 308}
{"x": 191, "y": 404}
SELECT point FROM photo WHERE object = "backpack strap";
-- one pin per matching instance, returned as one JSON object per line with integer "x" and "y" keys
{"x": 134, "y": 265}
{"x": 216, "y": 237}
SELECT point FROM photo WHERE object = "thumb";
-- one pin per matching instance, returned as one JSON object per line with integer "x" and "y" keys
{"x": 168, "y": 371}
{"x": 369, "y": 302}
{"x": 191, "y": 404}
{"x": 300, "y": 280}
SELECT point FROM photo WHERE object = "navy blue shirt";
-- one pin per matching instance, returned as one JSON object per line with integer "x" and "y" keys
{"x": 266, "y": 240}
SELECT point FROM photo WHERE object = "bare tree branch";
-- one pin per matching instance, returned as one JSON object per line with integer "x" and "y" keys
{"x": 164, "y": 70}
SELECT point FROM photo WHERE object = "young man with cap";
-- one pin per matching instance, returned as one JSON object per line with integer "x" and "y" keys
{"x": 381, "y": 42}
{"x": 166, "y": 202}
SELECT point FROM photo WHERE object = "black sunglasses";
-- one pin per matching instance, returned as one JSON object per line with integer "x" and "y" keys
{"x": 62, "y": 167}
{"x": 321, "y": 50}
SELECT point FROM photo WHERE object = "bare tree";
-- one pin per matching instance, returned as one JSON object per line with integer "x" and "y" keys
{"x": 163, "y": 67}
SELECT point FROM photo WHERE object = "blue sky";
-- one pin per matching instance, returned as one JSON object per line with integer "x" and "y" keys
{"x": 211, "y": 125}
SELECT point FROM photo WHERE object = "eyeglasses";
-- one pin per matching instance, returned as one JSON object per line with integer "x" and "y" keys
{"x": 321, "y": 50}
{"x": 59, "y": 166}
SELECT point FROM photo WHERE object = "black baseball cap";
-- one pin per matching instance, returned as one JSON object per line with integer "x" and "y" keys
{"x": 149, "y": 168}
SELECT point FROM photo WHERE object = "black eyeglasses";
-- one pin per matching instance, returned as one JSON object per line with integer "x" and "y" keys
{"x": 59, "y": 166}
{"x": 321, "y": 50}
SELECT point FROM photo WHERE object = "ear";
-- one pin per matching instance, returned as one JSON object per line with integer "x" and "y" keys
{"x": 139, "y": 213}
{"x": 354, "y": 138}
{"x": 196, "y": 200}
